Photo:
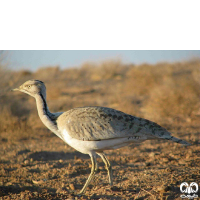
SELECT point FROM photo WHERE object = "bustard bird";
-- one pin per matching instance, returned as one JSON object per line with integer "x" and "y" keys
{"x": 91, "y": 130}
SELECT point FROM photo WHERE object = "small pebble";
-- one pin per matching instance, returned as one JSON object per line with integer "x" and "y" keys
{"x": 71, "y": 185}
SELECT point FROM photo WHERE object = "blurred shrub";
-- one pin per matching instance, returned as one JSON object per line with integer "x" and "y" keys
{"x": 47, "y": 73}
{"x": 109, "y": 69}
{"x": 12, "y": 109}
{"x": 141, "y": 79}
{"x": 157, "y": 92}
{"x": 177, "y": 97}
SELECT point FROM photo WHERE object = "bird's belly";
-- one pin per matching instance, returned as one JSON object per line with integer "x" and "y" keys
{"x": 88, "y": 146}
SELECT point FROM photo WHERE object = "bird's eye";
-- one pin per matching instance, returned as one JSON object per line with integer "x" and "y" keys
{"x": 29, "y": 86}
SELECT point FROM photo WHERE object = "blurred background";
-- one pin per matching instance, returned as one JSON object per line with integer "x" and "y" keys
{"x": 163, "y": 86}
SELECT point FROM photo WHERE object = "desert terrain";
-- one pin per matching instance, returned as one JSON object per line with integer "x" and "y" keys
{"x": 36, "y": 164}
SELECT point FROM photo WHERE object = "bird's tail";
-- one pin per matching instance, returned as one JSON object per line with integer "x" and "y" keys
{"x": 177, "y": 140}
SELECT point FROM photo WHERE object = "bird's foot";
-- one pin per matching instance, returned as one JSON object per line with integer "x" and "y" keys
{"x": 81, "y": 193}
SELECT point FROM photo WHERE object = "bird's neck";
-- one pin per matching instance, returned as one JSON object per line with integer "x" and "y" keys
{"x": 42, "y": 107}
{"x": 45, "y": 115}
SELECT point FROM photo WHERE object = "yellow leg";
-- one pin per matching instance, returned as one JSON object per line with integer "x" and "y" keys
{"x": 93, "y": 171}
{"x": 108, "y": 167}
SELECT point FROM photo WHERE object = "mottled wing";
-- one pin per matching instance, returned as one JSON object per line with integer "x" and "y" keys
{"x": 100, "y": 123}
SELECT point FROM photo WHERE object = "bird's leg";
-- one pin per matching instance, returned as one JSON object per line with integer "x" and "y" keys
{"x": 108, "y": 167}
{"x": 93, "y": 171}
{"x": 96, "y": 168}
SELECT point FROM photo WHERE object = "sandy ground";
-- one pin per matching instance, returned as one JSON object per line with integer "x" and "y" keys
{"x": 41, "y": 166}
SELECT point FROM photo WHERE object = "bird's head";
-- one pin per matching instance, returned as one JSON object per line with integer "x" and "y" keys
{"x": 32, "y": 87}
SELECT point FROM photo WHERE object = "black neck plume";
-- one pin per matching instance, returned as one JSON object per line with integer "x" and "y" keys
{"x": 44, "y": 103}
